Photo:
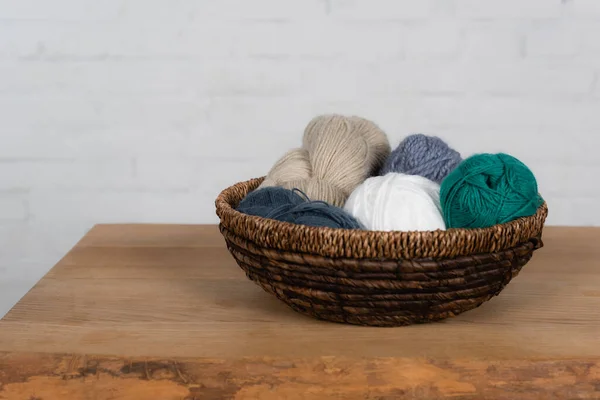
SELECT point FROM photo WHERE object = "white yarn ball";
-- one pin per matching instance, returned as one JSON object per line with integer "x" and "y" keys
{"x": 397, "y": 202}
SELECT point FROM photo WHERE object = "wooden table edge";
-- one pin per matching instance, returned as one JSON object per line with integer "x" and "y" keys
{"x": 49, "y": 376}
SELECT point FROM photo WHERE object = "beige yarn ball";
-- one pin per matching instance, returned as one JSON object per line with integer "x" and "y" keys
{"x": 338, "y": 153}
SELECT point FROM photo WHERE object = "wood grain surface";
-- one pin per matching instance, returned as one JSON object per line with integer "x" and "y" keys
{"x": 53, "y": 377}
{"x": 163, "y": 311}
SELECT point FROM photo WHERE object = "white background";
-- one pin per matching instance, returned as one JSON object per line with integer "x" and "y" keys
{"x": 143, "y": 110}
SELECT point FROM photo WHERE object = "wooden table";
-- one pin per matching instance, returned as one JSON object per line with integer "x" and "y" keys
{"x": 163, "y": 312}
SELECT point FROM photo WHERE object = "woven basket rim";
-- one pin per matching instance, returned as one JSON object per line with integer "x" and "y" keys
{"x": 361, "y": 244}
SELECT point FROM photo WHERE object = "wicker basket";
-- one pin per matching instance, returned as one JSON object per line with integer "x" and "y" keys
{"x": 376, "y": 278}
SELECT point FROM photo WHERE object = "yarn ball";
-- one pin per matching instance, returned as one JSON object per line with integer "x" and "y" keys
{"x": 488, "y": 189}
{"x": 269, "y": 201}
{"x": 290, "y": 206}
{"x": 337, "y": 154}
{"x": 423, "y": 155}
{"x": 397, "y": 202}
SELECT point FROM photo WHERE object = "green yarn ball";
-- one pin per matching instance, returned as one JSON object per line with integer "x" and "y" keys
{"x": 488, "y": 189}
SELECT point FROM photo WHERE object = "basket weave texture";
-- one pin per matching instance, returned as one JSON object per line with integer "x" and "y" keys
{"x": 376, "y": 278}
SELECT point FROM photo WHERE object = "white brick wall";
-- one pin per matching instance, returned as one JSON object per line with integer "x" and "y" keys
{"x": 13, "y": 207}
{"x": 143, "y": 110}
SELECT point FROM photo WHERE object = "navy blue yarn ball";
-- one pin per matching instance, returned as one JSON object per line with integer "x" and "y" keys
{"x": 291, "y": 206}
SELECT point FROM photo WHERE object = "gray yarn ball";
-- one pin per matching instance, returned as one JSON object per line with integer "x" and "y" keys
{"x": 423, "y": 155}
